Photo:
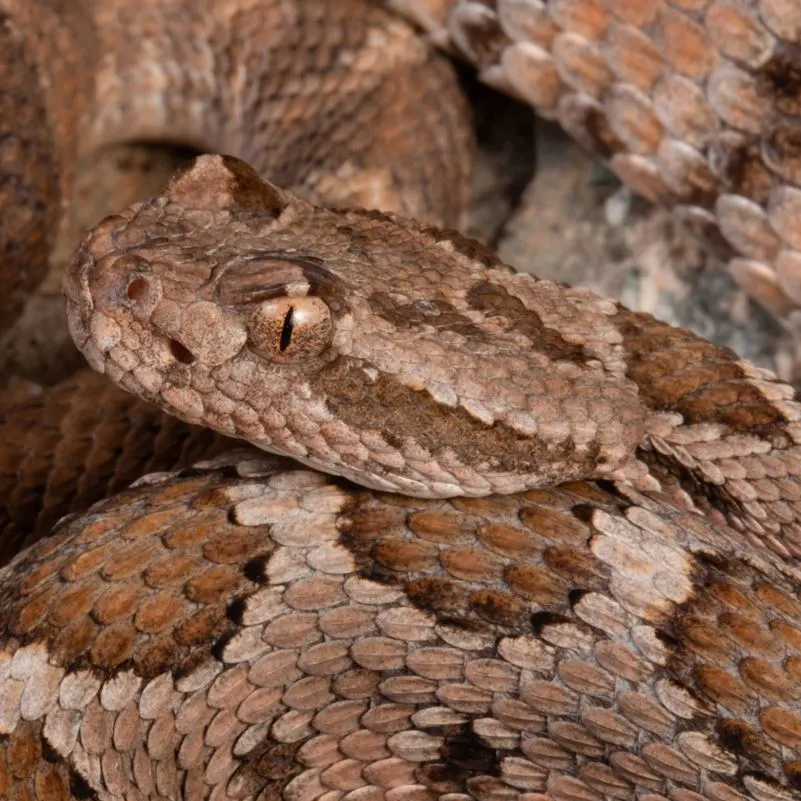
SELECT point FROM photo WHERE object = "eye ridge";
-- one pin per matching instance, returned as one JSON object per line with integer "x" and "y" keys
{"x": 287, "y": 329}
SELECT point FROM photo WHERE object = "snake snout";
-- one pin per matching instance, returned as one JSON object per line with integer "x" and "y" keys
{"x": 201, "y": 334}
{"x": 126, "y": 285}
{"x": 143, "y": 293}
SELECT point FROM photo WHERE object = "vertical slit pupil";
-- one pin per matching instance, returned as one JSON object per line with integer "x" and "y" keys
{"x": 286, "y": 330}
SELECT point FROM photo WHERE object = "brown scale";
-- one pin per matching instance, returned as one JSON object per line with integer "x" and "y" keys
{"x": 50, "y": 466}
{"x": 301, "y": 659}
{"x": 208, "y": 637}
{"x": 589, "y": 20}
{"x": 59, "y": 453}
{"x": 711, "y": 427}
{"x": 692, "y": 104}
{"x": 321, "y": 97}
{"x": 35, "y": 163}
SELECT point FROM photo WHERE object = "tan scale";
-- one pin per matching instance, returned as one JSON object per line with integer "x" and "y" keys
{"x": 720, "y": 77}
{"x": 256, "y": 631}
{"x": 300, "y": 664}
{"x": 625, "y": 78}
{"x": 434, "y": 371}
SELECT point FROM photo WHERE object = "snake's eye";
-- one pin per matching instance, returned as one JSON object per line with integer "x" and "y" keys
{"x": 290, "y": 329}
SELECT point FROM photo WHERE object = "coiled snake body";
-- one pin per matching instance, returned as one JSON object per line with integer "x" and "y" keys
{"x": 573, "y": 575}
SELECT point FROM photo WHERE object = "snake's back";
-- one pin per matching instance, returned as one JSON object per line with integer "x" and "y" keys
{"x": 253, "y": 632}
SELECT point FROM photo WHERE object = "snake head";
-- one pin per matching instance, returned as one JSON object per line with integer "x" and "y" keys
{"x": 403, "y": 357}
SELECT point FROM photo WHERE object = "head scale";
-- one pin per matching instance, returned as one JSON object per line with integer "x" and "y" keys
{"x": 402, "y": 357}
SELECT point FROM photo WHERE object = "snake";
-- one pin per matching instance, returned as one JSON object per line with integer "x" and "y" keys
{"x": 487, "y": 536}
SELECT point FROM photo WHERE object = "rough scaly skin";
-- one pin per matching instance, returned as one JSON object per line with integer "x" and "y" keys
{"x": 704, "y": 618}
{"x": 324, "y": 95}
{"x": 439, "y": 372}
{"x": 65, "y": 447}
{"x": 405, "y": 308}
{"x": 257, "y": 632}
{"x": 321, "y": 95}
{"x": 694, "y": 104}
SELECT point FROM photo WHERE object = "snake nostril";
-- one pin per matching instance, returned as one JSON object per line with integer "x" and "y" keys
{"x": 181, "y": 352}
{"x": 139, "y": 290}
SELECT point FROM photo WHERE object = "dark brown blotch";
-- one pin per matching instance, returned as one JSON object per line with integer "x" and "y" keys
{"x": 236, "y": 610}
{"x": 540, "y": 620}
{"x": 741, "y": 167}
{"x": 436, "y": 594}
{"x": 367, "y": 520}
{"x": 780, "y": 78}
{"x": 501, "y": 538}
{"x": 202, "y": 627}
{"x": 446, "y": 528}
{"x": 387, "y": 406}
{"x": 725, "y": 689}
{"x": 404, "y": 556}
{"x": 437, "y": 313}
{"x": 557, "y": 525}
{"x": 730, "y": 659}
{"x": 742, "y": 739}
{"x": 71, "y": 645}
{"x": 536, "y": 584}
{"x": 442, "y": 778}
{"x": 157, "y": 656}
{"x": 471, "y": 249}
{"x": 578, "y": 567}
{"x": 113, "y": 646}
{"x": 781, "y": 149}
{"x": 500, "y": 609}
{"x": 705, "y": 638}
{"x": 278, "y": 762}
{"x": 599, "y": 134}
{"x": 80, "y": 788}
{"x": 255, "y": 569}
{"x": 587, "y": 122}
{"x": 495, "y": 301}
{"x": 677, "y": 371}
{"x": 221, "y": 643}
{"x": 468, "y": 752}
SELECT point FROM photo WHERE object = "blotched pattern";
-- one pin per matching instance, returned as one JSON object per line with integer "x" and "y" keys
{"x": 322, "y": 95}
{"x": 693, "y": 103}
{"x": 441, "y": 372}
{"x": 59, "y": 453}
{"x": 256, "y": 632}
